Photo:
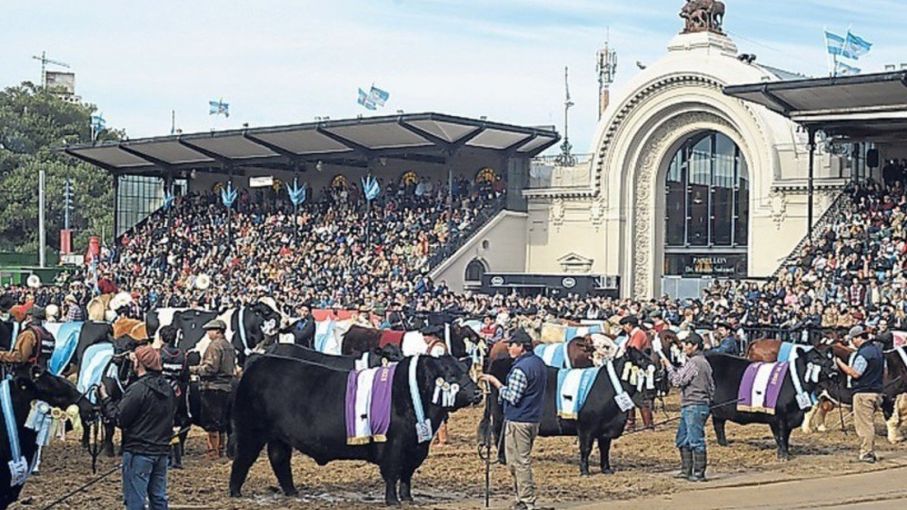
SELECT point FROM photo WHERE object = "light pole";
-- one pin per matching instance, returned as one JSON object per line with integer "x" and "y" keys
{"x": 41, "y": 234}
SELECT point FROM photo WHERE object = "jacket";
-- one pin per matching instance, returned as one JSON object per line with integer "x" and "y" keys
{"x": 175, "y": 370}
{"x": 529, "y": 408}
{"x": 218, "y": 366}
{"x": 145, "y": 414}
{"x": 871, "y": 381}
{"x": 694, "y": 379}
{"x": 34, "y": 345}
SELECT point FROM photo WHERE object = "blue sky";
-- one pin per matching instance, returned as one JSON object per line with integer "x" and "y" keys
{"x": 279, "y": 62}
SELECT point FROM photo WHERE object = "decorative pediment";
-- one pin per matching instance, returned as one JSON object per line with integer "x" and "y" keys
{"x": 575, "y": 263}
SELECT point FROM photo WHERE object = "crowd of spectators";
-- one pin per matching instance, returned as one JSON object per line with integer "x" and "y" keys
{"x": 330, "y": 254}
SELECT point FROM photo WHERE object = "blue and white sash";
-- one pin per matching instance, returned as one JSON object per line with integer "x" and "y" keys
{"x": 67, "y": 340}
{"x": 789, "y": 351}
{"x": 424, "y": 430}
{"x": 554, "y": 355}
{"x": 94, "y": 360}
{"x": 18, "y": 466}
{"x": 572, "y": 390}
{"x": 324, "y": 332}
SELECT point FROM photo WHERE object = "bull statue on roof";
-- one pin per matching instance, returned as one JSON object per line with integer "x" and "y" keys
{"x": 703, "y": 16}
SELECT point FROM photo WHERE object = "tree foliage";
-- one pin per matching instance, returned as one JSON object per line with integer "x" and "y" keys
{"x": 34, "y": 126}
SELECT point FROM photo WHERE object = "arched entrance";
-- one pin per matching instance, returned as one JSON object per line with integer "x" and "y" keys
{"x": 707, "y": 188}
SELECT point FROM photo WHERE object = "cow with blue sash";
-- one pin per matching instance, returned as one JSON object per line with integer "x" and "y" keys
{"x": 23, "y": 431}
{"x": 591, "y": 404}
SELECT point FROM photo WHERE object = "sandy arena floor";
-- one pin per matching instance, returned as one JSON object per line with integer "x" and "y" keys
{"x": 453, "y": 476}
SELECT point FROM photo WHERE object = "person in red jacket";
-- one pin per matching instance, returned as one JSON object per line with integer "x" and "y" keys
{"x": 639, "y": 340}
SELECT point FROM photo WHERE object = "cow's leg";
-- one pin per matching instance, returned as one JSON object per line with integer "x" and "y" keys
{"x": 247, "y": 451}
{"x": 390, "y": 472}
{"x": 85, "y": 438}
{"x": 585, "y": 449}
{"x": 279, "y": 454}
{"x": 109, "y": 430}
{"x": 785, "y": 436}
{"x": 824, "y": 407}
{"x": 893, "y": 422}
{"x": 720, "y": 436}
{"x": 406, "y": 477}
{"x": 604, "y": 450}
{"x": 779, "y": 441}
{"x": 807, "y": 426}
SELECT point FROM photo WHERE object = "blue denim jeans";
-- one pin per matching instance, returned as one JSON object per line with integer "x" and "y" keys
{"x": 691, "y": 430}
{"x": 144, "y": 478}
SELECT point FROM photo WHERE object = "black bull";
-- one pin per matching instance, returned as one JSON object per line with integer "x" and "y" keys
{"x": 313, "y": 422}
{"x": 727, "y": 372}
{"x": 600, "y": 417}
{"x": 29, "y": 384}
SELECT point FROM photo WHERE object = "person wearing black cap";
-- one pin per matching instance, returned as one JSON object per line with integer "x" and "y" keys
{"x": 216, "y": 372}
{"x": 34, "y": 344}
{"x": 697, "y": 388}
{"x": 523, "y": 399}
{"x": 145, "y": 415}
{"x": 728, "y": 342}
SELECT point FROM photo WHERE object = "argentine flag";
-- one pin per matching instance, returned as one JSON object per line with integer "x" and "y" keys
{"x": 842, "y": 69}
{"x": 834, "y": 43}
{"x": 218, "y": 107}
{"x": 365, "y": 99}
{"x": 378, "y": 96}
{"x": 855, "y": 46}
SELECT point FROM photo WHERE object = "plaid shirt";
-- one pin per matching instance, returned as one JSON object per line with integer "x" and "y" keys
{"x": 516, "y": 386}
{"x": 74, "y": 314}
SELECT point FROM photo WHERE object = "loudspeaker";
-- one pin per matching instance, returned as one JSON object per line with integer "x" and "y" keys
{"x": 872, "y": 158}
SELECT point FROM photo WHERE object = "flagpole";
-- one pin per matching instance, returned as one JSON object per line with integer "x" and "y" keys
{"x": 828, "y": 54}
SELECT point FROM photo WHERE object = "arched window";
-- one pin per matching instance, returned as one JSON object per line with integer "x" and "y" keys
{"x": 409, "y": 177}
{"x": 474, "y": 270}
{"x": 707, "y": 208}
{"x": 486, "y": 174}
{"x": 340, "y": 181}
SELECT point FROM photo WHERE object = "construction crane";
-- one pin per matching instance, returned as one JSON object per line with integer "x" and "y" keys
{"x": 44, "y": 61}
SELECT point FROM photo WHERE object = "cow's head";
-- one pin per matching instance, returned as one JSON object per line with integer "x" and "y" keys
{"x": 824, "y": 360}
{"x": 447, "y": 381}
{"x": 260, "y": 321}
{"x": 390, "y": 353}
{"x": 647, "y": 373}
{"x": 38, "y": 383}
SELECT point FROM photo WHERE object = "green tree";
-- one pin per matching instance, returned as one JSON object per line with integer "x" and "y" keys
{"x": 34, "y": 125}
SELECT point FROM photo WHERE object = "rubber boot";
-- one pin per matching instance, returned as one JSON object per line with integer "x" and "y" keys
{"x": 631, "y": 421}
{"x": 647, "y": 421}
{"x": 176, "y": 456}
{"x": 686, "y": 464}
{"x": 212, "y": 440}
{"x": 699, "y": 463}
{"x": 221, "y": 444}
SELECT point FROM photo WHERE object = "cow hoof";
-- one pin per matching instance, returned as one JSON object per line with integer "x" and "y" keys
{"x": 722, "y": 443}
{"x": 607, "y": 471}
{"x": 822, "y": 428}
{"x": 584, "y": 472}
{"x": 391, "y": 503}
{"x": 235, "y": 493}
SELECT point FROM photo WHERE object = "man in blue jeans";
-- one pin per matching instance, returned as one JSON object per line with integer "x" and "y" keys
{"x": 694, "y": 379}
{"x": 145, "y": 414}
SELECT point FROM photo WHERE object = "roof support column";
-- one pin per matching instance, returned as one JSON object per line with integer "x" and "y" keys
{"x": 811, "y": 133}
{"x": 116, "y": 207}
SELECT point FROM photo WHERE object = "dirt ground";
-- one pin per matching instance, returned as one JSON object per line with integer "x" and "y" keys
{"x": 453, "y": 476}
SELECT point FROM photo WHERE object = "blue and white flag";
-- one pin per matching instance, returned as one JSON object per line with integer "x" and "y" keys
{"x": 842, "y": 69}
{"x": 168, "y": 200}
{"x": 219, "y": 107}
{"x": 228, "y": 195}
{"x": 834, "y": 43}
{"x": 370, "y": 188}
{"x": 366, "y": 100}
{"x": 297, "y": 193}
{"x": 378, "y": 96}
{"x": 855, "y": 46}
{"x": 98, "y": 123}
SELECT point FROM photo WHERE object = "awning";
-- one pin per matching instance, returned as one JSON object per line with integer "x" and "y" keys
{"x": 429, "y": 137}
{"x": 869, "y": 107}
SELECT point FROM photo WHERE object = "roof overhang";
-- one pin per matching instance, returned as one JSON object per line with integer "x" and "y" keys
{"x": 427, "y": 137}
{"x": 869, "y": 107}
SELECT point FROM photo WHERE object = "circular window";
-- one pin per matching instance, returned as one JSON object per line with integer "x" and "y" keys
{"x": 486, "y": 174}
{"x": 409, "y": 178}
{"x": 340, "y": 181}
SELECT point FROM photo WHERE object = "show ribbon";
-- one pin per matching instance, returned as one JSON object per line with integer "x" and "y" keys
{"x": 242, "y": 331}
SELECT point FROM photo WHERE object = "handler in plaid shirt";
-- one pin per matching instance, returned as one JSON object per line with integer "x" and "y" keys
{"x": 523, "y": 399}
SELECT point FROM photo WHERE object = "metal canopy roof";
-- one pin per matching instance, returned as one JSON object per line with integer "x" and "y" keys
{"x": 869, "y": 107}
{"x": 429, "y": 137}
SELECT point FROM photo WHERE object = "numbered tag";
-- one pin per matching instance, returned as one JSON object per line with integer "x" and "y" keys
{"x": 18, "y": 471}
{"x": 804, "y": 401}
{"x": 624, "y": 402}
{"x": 423, "y": 431}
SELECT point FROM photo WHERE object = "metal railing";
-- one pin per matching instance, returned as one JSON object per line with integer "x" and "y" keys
{"x": 828, "y": 218}
{"x": 458, "y": 238}
{"x": 803, "y": 335}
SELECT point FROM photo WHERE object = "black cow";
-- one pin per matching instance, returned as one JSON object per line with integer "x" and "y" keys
{"x": 93, "y": 332}
{"x": 30, "y": 383}
{"x": 600, "y": 417}
{"x": 313, "y": 422}
{"x": 388, "y": 353}
{"x": 727, "y": 372}
{"x": 115, "y": 387}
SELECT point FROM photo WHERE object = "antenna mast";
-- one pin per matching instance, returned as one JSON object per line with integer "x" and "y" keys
{"x": 565, "y": 158}
{"x": 606, "y": 67}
